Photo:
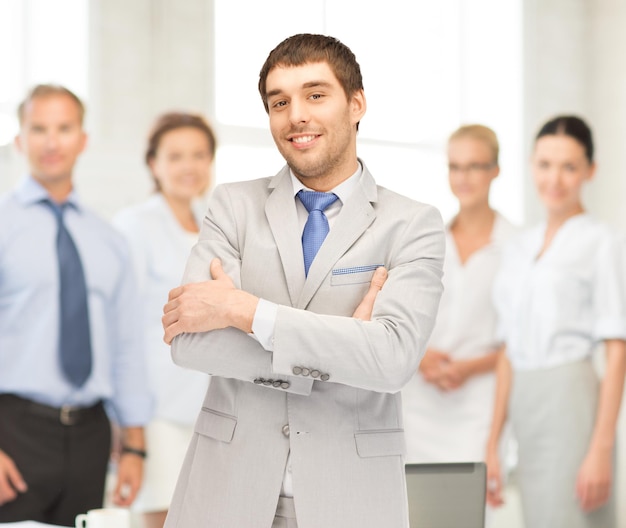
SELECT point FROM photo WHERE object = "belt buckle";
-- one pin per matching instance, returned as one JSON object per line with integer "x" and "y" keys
{"x": 66, "y": 416}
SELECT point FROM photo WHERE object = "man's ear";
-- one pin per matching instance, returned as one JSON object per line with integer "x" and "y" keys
{"x": 358, "y": 106}
{"x": 17, "y": 141}
{"x": 85, "y": 140}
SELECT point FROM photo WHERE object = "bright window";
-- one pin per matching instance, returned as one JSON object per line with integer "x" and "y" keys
{"x": 41, "y": 41}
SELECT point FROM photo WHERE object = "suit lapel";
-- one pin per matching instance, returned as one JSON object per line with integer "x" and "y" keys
{"x": 280, "y": 211}
{"x": 355, "y": 217}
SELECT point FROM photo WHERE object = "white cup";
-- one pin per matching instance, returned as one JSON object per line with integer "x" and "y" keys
{"x": 104, "y": 518}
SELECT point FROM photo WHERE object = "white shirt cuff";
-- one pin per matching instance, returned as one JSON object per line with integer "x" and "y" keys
{"x": 264, "y": 322}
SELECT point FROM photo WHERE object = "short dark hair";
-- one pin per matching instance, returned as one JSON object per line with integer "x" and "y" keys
{"x": 46, "y": 90}
{"x": 572, "y": 126}
{"x": 310, "y": 48}
{"x": 171, "y": 121}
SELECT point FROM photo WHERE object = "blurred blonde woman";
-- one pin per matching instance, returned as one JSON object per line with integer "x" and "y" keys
{"x": 448, "y": 403}
{"x": 161, "y": 231}
{"x": 560, "y": 293}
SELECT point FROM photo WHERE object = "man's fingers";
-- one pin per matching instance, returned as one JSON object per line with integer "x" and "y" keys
{"x": 379, "y": 278}
{"x": 366, "y": 306}
{"x": 11, "y": 479}
{"x": 175, "y": 292}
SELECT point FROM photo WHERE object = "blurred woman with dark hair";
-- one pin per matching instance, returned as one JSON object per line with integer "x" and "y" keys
{"x": 559, "y": 293}
{"x": 161, "y": 232}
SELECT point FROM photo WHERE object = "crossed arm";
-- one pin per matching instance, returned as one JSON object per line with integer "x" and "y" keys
{"x": 216, "y": 304}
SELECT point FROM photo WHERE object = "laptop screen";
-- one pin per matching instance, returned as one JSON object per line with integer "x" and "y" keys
{"x": 447, "y": 495}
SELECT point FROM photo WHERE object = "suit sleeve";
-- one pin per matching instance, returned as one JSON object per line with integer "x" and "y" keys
{"x": 228, "y": 353}
{"x": 381, "y": 354}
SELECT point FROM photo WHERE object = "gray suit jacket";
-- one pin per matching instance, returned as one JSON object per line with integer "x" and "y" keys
{"x": 333, "y": 380}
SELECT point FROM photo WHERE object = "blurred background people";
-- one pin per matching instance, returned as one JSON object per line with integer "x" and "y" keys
{"x": 559, "y": 293}
{"x": 448, "y": 403}
{"x": 69, "y": 339}
{"x": 161, "y": 232}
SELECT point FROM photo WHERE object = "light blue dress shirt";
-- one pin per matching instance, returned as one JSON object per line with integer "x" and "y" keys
{"x": 29, "y": 308}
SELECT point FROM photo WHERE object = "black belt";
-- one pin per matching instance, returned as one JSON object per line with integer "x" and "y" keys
{"x": 66, "y": 414}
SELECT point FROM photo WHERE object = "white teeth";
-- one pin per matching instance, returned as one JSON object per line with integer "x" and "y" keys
{"x": 303, "y": 139}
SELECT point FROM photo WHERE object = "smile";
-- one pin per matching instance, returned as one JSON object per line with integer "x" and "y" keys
{"x": 303, "y": 139}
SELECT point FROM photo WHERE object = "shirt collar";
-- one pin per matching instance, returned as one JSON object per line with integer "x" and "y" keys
{"x": 344, "y": 190}
{"x": 29, "y": 191}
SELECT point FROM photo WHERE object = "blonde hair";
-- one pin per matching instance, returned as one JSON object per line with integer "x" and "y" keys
{"x": 480, "y": 133}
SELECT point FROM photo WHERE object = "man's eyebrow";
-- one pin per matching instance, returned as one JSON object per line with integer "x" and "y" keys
{"x": 309, "y": 84}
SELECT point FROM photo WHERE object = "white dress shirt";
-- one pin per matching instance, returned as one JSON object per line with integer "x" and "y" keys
{"x": 556, "y": 307}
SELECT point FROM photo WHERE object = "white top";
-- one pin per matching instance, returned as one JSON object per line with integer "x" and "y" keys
{"x": 160, "y": 248}
{"x": 453, "y": 426}
{"x": 554, "y": 309}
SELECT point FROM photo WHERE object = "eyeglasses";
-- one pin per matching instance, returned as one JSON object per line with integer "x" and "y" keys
{"x": 472, "y": 168}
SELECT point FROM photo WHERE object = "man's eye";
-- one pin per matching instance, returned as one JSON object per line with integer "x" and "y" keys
{"x": 316, "y": 96}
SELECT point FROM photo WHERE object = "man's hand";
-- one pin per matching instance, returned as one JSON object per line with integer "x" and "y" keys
{"x": 364, "y": 309}
{"x": 11, "y": 481}
{"x": 210, "y": 305}
{"x": 129, "y": 464}
{"x": 129, "y": 477}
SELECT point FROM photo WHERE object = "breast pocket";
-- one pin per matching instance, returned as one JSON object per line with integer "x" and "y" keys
{"x": 353, "y": 275}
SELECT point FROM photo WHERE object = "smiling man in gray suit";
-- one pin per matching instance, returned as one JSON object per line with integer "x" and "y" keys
{"x": 301, "y": 426}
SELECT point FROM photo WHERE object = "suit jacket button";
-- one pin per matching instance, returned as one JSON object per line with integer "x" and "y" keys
{"x": 297, "y": 370}
{"x": 258, "y": 381}
{"x": 286, "y": 430}
{"x": 315, "y": 373}
{"x": 277, "y": 383}
{"x": 267, "y": 382}
{"x": 285, "y": 385}
{"x": 305, "y": 371}
{"x": 325, "y": 377}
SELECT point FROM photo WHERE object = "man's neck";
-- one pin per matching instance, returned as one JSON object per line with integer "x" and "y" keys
{"x": 58, "y": 189}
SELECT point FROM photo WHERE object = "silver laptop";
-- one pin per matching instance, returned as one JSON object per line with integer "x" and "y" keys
{"x": 450, "y": 495}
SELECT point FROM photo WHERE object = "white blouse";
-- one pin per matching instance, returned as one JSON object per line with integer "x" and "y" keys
{"x": 446, "y": 426}
{"x": 160, "y": 248}
{"x": 554, "y": 309}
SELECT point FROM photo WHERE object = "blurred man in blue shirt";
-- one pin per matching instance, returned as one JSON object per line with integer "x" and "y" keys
{"x": 60, "y": 366}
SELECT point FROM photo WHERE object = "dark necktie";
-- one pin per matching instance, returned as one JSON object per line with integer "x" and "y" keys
{"x": 74, "y": 333}
{"x": 316, "y": 227}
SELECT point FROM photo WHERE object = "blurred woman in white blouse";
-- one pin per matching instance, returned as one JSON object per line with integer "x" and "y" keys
{"x": 559, "y": 293}
{"x": 447, "y": 405}
{"x": 161, "y": 232}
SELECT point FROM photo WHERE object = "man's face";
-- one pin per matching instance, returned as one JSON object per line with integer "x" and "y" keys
{"x": 313, "y": 123}
{"x": 51, "y": 137}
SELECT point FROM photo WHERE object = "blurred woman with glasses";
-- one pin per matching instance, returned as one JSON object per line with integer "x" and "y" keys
{"x": 447, "y": 405}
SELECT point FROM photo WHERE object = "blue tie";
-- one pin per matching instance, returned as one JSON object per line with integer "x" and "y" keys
{"x": 316, "y": 227}
{"x": 74, "y": 334}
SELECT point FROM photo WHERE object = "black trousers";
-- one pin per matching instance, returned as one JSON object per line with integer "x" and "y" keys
{"x": 62, "y": 454}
